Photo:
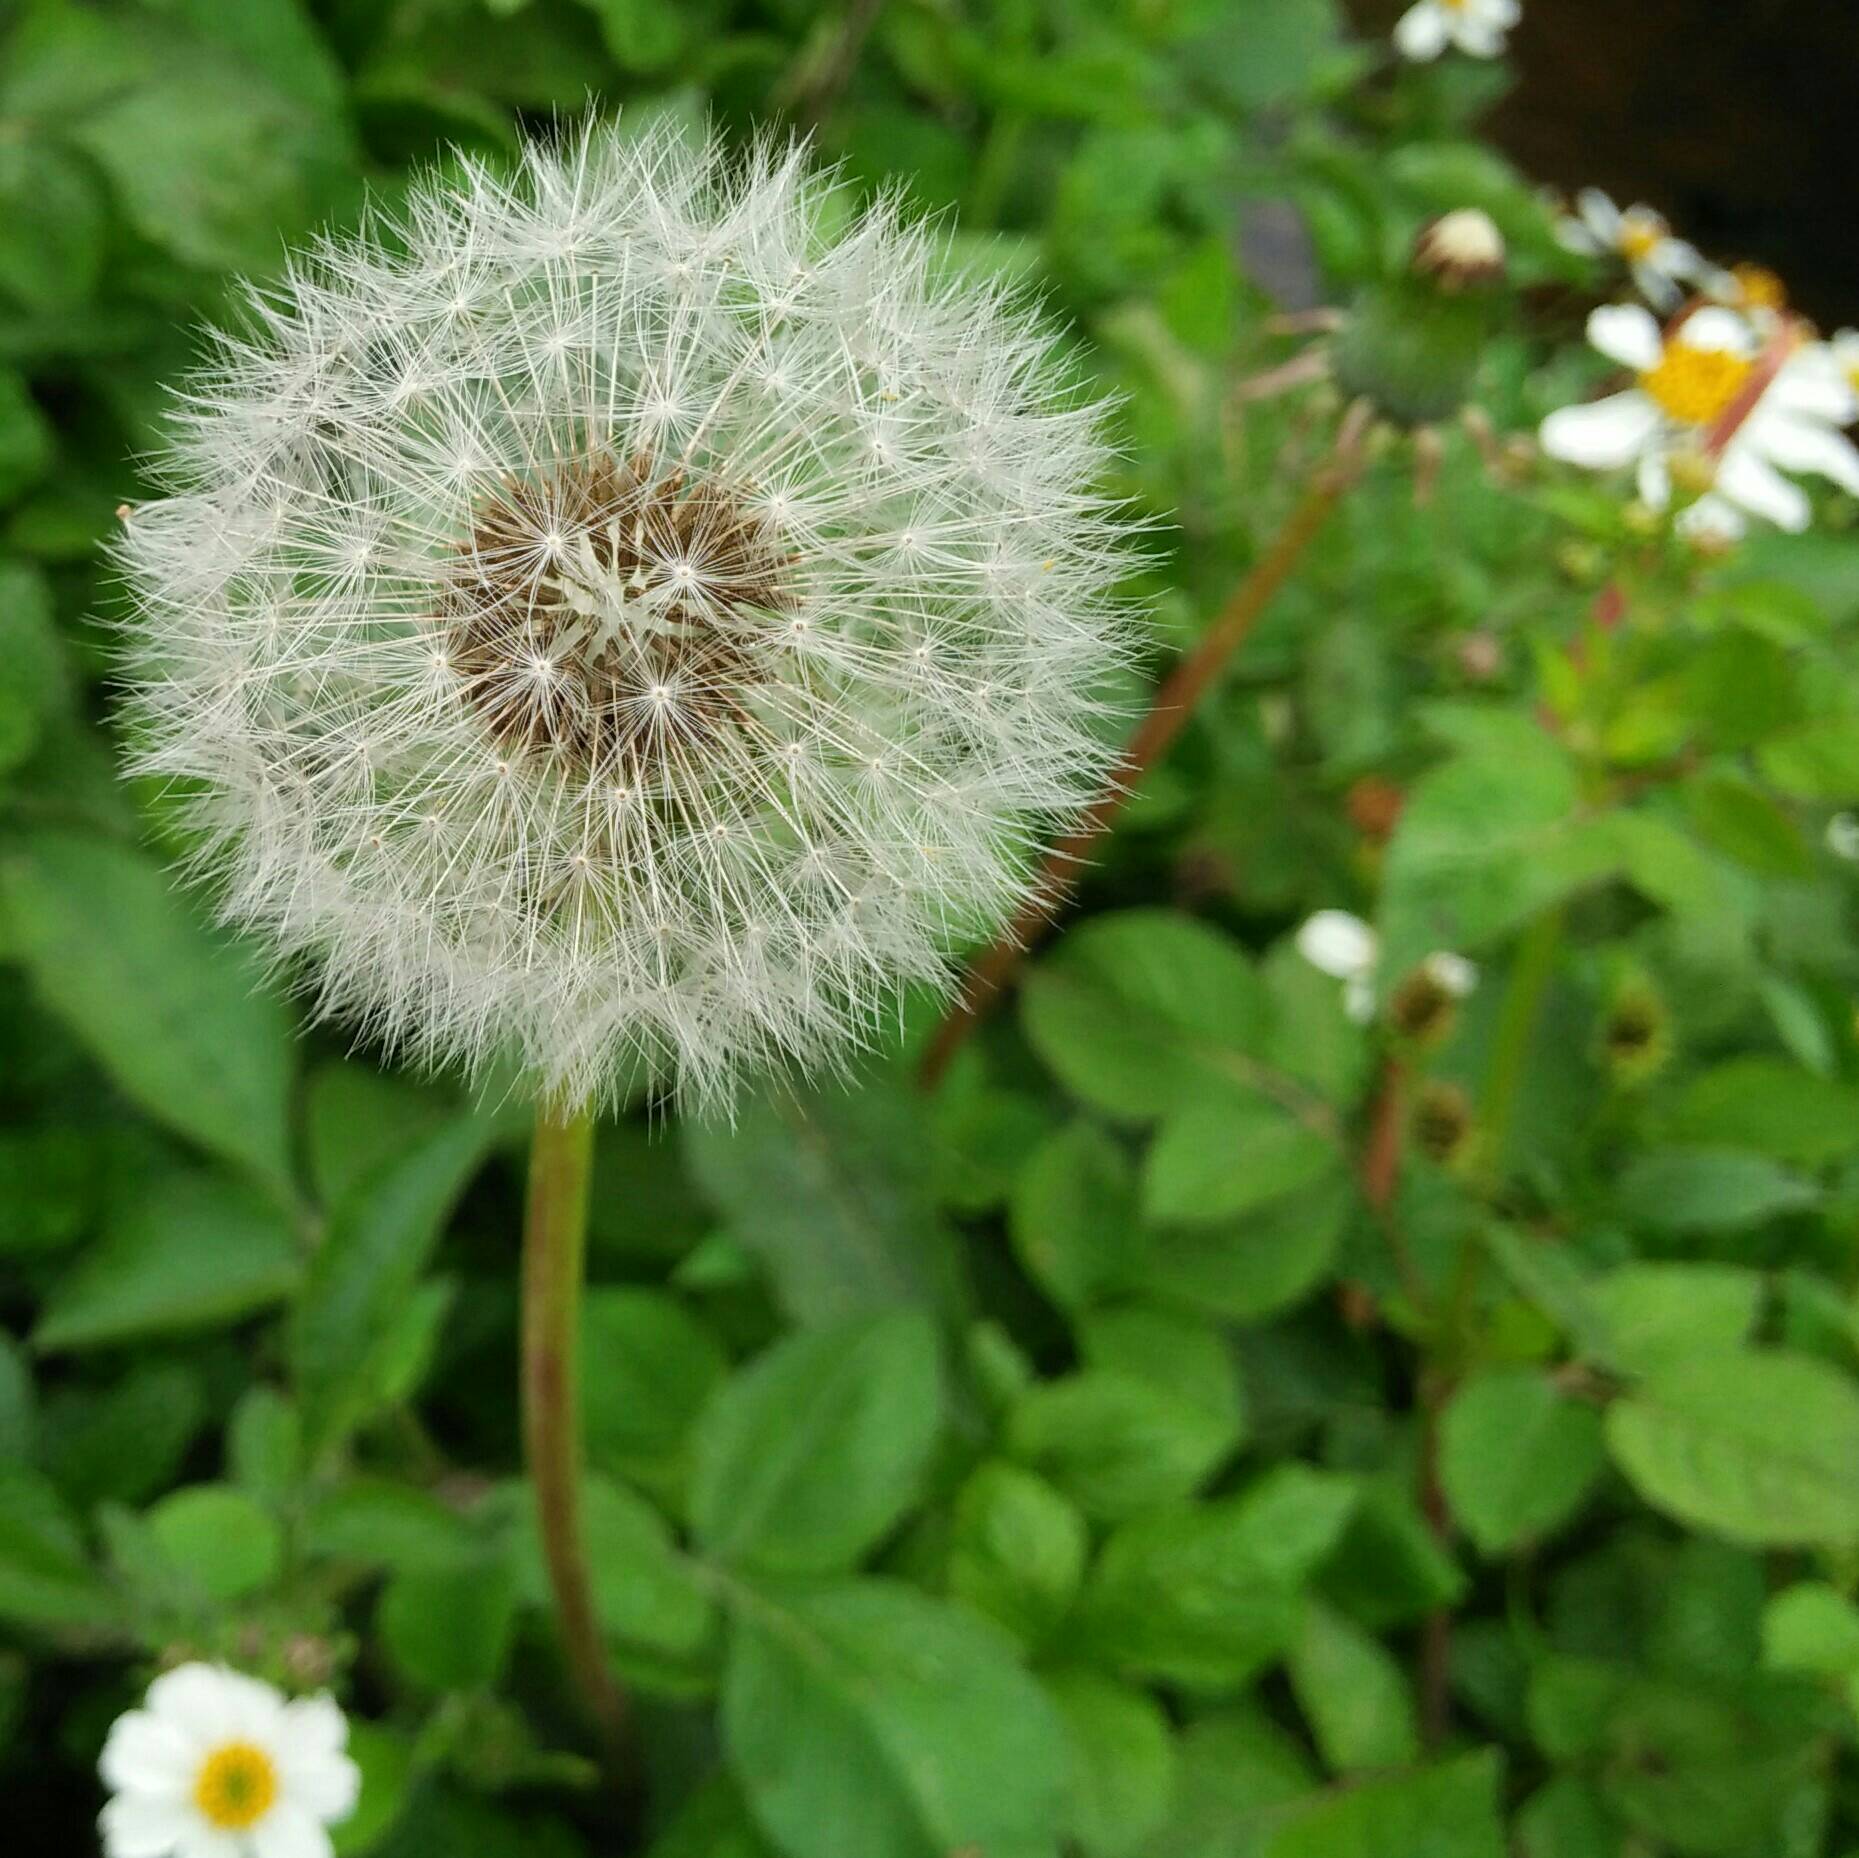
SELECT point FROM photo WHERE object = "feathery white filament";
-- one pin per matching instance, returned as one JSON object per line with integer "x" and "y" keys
{"x": 608, "y": 618}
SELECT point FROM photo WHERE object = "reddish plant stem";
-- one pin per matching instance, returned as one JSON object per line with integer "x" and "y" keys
{"x": 554, "y": 1261}
{"x": 1173, "y": 704}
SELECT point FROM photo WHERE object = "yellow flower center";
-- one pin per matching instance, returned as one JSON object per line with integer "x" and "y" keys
{"x": 1640, "y": 236}
{"x": 1696, "y": 386}
{"x": 236, "y": 1786}
{"x": 1759, "y": 288}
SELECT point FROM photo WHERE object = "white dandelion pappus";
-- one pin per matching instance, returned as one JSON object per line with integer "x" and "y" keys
{"x": 1659, "y": 264}
{"x": 1476, "y": 27}
{"x": 607, "y": 619}
{"x": 1719, "y": 407}
{"x": 219, "y": 1765}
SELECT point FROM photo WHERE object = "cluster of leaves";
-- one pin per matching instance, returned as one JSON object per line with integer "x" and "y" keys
{"x": 1208, "y": 1428}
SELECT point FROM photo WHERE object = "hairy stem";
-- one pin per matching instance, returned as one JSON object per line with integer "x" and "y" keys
{"x": 1174, "y": 703}
{"x": 554, "y": 1259}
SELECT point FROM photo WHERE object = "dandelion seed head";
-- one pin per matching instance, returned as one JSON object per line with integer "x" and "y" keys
{"x": 604, "y": 618}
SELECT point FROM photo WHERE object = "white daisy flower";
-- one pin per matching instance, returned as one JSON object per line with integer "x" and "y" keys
{"x": 1336, "y": 943}
{"x": 1475, "y": 27}
{"x": 1659, "y": 264}
{"x": 1719, "y": 409}
{"x": 1752, "y": 290}
{"x": 634, "y": 616}
{"x": 1844, "y": 350}
{"x": 219, "y": 1765}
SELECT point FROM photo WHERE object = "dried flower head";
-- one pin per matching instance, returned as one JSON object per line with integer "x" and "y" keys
{"x": 614, "y": 618}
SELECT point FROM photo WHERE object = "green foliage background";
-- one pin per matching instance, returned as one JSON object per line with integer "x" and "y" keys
{"x": 1078, "y": 1461}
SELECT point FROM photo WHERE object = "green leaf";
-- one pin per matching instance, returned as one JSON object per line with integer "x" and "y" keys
{"x": 175, "y": 1014}
{"x": 1208, "y": 1594}
{"x": 1517, "y": 1458}
{"x": 1773, "y": 1107}
{"x": 1017, "y": 1549}
{"x": 642, "y": 35}
{"x": 46, "y": 1579}
{"x": 264, "y": 1444}
{"x": 26, "y": 442}
{"x": 1116, "y": 1444}
{"x": 450, "y": 1628}
{"x": 18, "y": 1403}
{"x": 834, "y": 1192}
{"x": 227, "y": 1544}
{"x": 1267, "y": 1261}
{"x": 1229, "y": 1154}
{"x": 1239, "y": 1777}
{"x": 377, "y": 1523}
{"x": 1450, "y": 1811}
{"x": 1708, "y": 1190}
{"x": 865, "y": 1720}
{"x": 1655, "y": 1311}
{"x": 381, "y": 1237}
{"x": 1353, "y": 1694}
{"x": 1185, "y": 1356}
{"x": 356, "y": 1118}
{"x": 1139, "y": 1013}
{"x": 1072, "y": 1217}
{"x": 1811, "y": 1626}
{"x": 647, "y": 1368}
{"x": 1762, "y": 1448}
{"x": 192, "y": 1251}
{"x": 385, "y": 1759}
{"x": 816, "y": 1449}
{"x": 52, "y": 226}
{"x": 1122, "y": 1761}
{"x": 30, "y": 650}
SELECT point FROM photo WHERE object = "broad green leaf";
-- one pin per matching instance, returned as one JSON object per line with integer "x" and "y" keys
{"x": 1229, "y": 1154}
{"x": 1185, "y": 1356}
{"x": 1517, "y": 1457}
{"x": 811, "y": 1453}
{"x": 381, "y": 1237}
{"x": 1122, "y": 1760}
{"x": 46, "y": 1579}
{"x": 1353, "y": 1693}
{"x": 1708, "y": 1190}
{"x": 1450, "y": 1811}
{"x": 866, "y": 1720}
{"x": 1656, "y": 1311}
{"x": 643, "y": 35}
{"x": 647, "y": 1368}
{"x": 1239, "y": 1777}
{"x": 1072, "y": 1217}
{"x": 1208, "y": 1594}
{"x": 385, "y": 1758}
{"x": 52, "y": 226}
{"x": 377, "y": 1522}
{"x": 193, "y": 1251}
{"x": 1254, "y": 1267}
{"x": 1116, "y": 1444}
{"x": 1141, "y": 1013}
{"x": 264, "y": 1444}
{"x": 449, "y": 1628}
{"x": 174, "y": 1013}
{"x": 833, "y": 1192}
{"x": 1017, "y": 1549}
{"x": 226, "y": 1543}
{"x": 1762, "y": 1448}
{"x": 18, "y": 1403}
{"x": 29, "y": 644}
{"x": 1772, "y": 1107}
{"x": 26, "y": 446}
{"x": 1811, "y": 1626}
{"x": 356, "y": 1118}
{"x": 126, "y": 1439}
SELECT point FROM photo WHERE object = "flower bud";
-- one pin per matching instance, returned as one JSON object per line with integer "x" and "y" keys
{"x": 1460, "y": 250}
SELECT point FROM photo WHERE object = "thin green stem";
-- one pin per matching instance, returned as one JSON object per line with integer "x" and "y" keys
{"x": 554, "y": 1267}
{"x": 1530, "y": 974}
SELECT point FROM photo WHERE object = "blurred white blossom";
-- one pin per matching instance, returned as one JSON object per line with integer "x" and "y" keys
{"x": 636, "y": 617}
{"x": 1719, "y": 409}
{"x": 1476, "y": 27}
{"x": 1660, "y": 265}
{"x": 219, "y": 1765}
{"x": 1341, "y": 945}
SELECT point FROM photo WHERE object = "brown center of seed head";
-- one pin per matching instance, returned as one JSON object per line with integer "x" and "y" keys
{"x": 601, "y": 613}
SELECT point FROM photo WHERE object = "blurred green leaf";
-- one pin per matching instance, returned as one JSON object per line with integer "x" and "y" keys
{"x": 647, "y": 1368}
{"x": 228, "y": 1544}
{"x": 1225, "y": 1156}
{"x": 1449, "y": 1811}
{"x": 1353, "y": 1693}
{"x": 45, "y": 1577}
{"x": 1072, "y": 1217}
{"x": 1122, "y": 1760}
{"x": 1017, "y": 1549}
{"x": 1770, "y": 1106}
{"x": 1517, "y": 1457}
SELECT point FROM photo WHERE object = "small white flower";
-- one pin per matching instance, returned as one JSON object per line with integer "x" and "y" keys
{"x": 1844, "y": 349}
{"x": 1336, "y": 943}
{"x": 1475, "y": 27}
{"x": 219, "y": 1765}
{"x": 1719, "y": 408}
{"x": 1843, "y": 836}
{"x": 1752, "y": 290}
{"x": 1660, "y": 265}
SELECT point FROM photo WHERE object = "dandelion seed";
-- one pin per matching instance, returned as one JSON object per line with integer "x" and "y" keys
{"x": 573, "y": 707}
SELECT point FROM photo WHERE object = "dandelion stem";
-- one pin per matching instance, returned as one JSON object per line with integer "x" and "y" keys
{"x": 554, "y": 1260}
{"x": 1174, "y": 703}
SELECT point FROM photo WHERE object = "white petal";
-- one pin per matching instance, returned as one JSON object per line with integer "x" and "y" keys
{"x": 1814, "y": 382}
{"x": 1719, "y": 329}
{"x": 1359, "y": 999}
{"x": 326, "y": 1785}
{"x": 1422, "y": 32}
{"x": 1575, "y": 236}
{"x": 1477, "y": 38}
{"x": 1604, "y": 435}
{"x": 1627, "y": 333}
{"x": 208, "y": 1702}
{"x": 1655, "y": 479}
{"x": 1678, "y": 259}
{"x": 146, "y": 1753}
{"x": 1338, "y": 943}
{"x": 288, "y": 1831}
{"x": 1653, "y": 284}
{"x": 133, "y": 1826}
{"x": 1799, "y": 445}
{"x": 313, "y": 1726}
{"x": 1748, "y": 479}
{"x": 1711, "y": 516}
{"x": 1503, "y": 14}
{"x": 1599, "y": 210}
{"x": 1452, "y": 972}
